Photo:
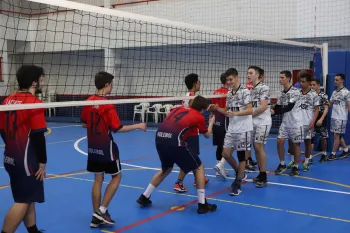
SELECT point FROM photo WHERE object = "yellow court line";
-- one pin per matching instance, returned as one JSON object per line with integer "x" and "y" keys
{"x": 320, "y": 180}
{"x": 225, "y": 201}
{"x": 49, "y": 131}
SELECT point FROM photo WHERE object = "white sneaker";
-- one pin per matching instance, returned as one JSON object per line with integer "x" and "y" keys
{"x": 220, "y": 171}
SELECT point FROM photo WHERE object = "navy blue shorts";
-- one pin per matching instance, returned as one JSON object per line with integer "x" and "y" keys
{"x": 186, "y": 159}
{"x": 26, "y": 189}
{"x": 218, "y": 135}
{"x": 110, "y": 167}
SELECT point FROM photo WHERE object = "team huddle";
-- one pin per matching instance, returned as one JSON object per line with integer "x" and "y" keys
{"x": 237, "y": 122}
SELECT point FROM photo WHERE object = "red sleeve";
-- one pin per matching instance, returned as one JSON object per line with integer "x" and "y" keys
{"x": 37, "y": 121}
{"x": 83, "y": 116}
{"x": 201, "y": 124}
{"x": 113, "y": 119}
{"x": 2, "y": 121}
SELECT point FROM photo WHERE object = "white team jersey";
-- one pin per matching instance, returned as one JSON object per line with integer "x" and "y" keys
{"x": 185, "y": 103}
{"x": 236, "y": 101}
{"x": 308, "y": 102}
{"x": 293, "y": 118}
{"x": 258, "y": 93}
{"x": 340, "y": 99}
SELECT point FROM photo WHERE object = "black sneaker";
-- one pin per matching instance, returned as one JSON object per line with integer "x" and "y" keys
{"x": 95, "y": 222}
{"x": 144, "y": 201}
{"x": 235, "y": 189}
{"x": 261, "y": 182}
{"x": 343, "y": 155}
{"x": 249, "y": 166}
{"x": 257, "y": 178}
{"x": 252, "y": 162}
{"x": 280, "y": 169}
{"x": 332, "y": 157}
{"x": 323, "y": 158}
{"x": 311, "y": 161}
{"x": 206, "y": 208}
{"x": 105, "y": 217}
{"x": 294, "y": 171}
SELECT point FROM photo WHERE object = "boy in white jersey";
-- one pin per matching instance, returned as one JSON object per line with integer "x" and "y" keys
{"x": 321, "y": 126}
{"x": 260, "y": 95}
{"x": 193, "y": 85}
{"x": 238, "y": 136}
{"x": 340, "y": 100}
{"x": 292, "y": 124}
{"x": 309, "y": 105}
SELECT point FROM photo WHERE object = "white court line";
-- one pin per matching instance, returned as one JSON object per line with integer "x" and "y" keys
{"x": 76, "y": 146}
{"x": 64, "y": 126}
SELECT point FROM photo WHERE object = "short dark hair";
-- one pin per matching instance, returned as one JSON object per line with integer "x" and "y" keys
{"x": 256, "y": 68}
{"x": 316, "y": 80}
{"x": 200, "y": 103}
{"x": 262, "y": 72}
{"x": 223, "y": 78}
{"x": 190, "y": 80}
{"x": 102, "y": 78}
{"x": 306, "y": 75}
{"x": 27, "y": 74}
{"x": 342, "y": 76}
{"x": 231, "y": 71}
{"x": 287, "y": 73}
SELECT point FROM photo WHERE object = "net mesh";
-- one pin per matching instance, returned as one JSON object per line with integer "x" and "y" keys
{"x": 149, "y": 57}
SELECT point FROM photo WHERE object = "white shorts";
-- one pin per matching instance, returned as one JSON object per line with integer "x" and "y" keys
{"x": 294, "y": 134}
{"x": 238, "y": 141}
{"x": 307, "y": 132}
{"x": 338, "y": 126}
{"x": 260, "y": 133}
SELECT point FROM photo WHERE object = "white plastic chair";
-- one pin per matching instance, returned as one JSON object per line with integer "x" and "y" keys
{"x": 141, "y": 109}
{"x": 154, "y": 110}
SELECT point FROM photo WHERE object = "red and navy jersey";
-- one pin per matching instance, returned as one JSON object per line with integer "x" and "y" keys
{"x": 220, "y": 118}
{"x": 17, "y": 126}
{"x": 178, "y": 127}
{"x": 101, "y": 121}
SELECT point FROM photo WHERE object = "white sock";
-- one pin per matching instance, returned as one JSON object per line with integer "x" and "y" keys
{"x": 325, "y": 152}
{"x": 292, "y": 157}
{"x": 307, "y": 160}
{"x": 223, "y": 161}
{"x": 149, "y": 190}
{"x": 345, "y": 149}
{"x": 282, "y": 162}
{"x": 310, "y": 157}
{"x": 103, "y": 209}
{"x": 201, "y": 196}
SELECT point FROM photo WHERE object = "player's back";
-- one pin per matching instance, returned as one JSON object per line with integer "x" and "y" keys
{"x": 100, "y": 121}
{"x": 221, "y": 102}
{"x": 17, "y": 127}
{"x": 179, "y": 126}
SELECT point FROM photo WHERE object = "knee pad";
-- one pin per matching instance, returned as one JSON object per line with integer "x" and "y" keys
{"x": 241, "y": 156}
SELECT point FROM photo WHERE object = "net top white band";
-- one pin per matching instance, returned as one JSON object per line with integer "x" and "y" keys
{"x": 159, "y": 21}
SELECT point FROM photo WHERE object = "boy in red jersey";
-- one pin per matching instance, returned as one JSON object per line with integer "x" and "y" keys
{"x": 220, "y": 124}
{"x": 193, "y": 85}
{"x": 103, "y": 153}
{"x": 25, "y": 151}
{"x": 174, "y": 145}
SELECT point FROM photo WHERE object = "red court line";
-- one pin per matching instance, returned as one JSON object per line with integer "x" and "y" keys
{"x": 166, "y": 212}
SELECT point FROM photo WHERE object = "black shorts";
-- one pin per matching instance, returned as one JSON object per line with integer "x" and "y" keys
{"x": 110, "y": 167}
{"x": 182, "y": 156}
{"x": 26, "y": 189}
{"x": 218, "y": 135}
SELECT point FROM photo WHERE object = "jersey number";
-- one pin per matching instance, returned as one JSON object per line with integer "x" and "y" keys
{"x": 95, "y": 121}
{"x": 178, "y": 116}
{"x": 11, "y": 122}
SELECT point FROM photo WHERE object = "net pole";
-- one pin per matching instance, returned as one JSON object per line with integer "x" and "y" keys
{"x": 324, "y": 58}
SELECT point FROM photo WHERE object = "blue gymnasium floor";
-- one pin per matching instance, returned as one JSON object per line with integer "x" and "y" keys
{"x": 316, "y": 201}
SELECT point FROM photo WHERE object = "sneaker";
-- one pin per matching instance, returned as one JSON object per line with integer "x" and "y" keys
{"x": 280, "y": 169}
{"x": 144, "y": 201}
{"x": 235, "y": 189}
{"x": 343, "y": 155}
{"x": 105, "y": 217}
{"x": 206, "y": 208}
{"x": 179, "y": 187}
{"x": 249, "y": 166}
{"x": 95, "y": 222}
{"x": 323, "y": 158}
{"x": 221, "y": 170}
{"x": 294, "y": 171}
{"x": 332, "y": 157}
{"x": 311, "y": 161}
{"x": 290, "y": 164}
{"x": 256, "y": 178}
{"x": 261, "y": 183}
{"x": 206, "y": 181}
{"x": 305, "y": 167}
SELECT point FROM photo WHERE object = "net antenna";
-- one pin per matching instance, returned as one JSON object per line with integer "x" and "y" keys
{"x": 149, "y": 56}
